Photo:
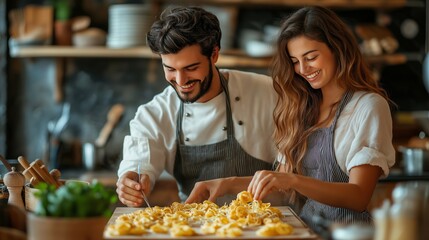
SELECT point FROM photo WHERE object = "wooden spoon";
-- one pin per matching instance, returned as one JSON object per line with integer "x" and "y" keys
{"x": 5, "y": 163}
{"x": 113, "y": 117}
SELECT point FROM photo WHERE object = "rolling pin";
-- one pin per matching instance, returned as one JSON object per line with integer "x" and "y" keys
{"x": 115, "y": 113}
{"x": 40, "y": 168}
{"x": 34, "y": 177}
{"x": 27, "y": 174}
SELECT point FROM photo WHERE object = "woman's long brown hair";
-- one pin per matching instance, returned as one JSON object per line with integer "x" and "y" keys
{"x": 297, "y": 111}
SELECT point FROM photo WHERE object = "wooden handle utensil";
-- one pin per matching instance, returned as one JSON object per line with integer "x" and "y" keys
{"x": 40, "y": 168}
{"x": 27, "y": 174}
{"x": 113, "y": 117}
{"x": 5, "y": 163}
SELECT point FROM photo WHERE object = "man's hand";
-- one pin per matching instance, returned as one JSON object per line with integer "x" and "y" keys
{"x": 129, "y": 188}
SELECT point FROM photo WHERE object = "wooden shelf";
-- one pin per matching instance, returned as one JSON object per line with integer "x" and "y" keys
{"x": 299, "y": 3}
{"x": 228, "y": 59}
{"x": 69, "y": 51}
{"x": 235, "y": 59}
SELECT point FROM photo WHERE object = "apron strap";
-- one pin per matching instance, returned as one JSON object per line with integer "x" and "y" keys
{"x": 346, "y": 98}
{"x": 229, "y": 122}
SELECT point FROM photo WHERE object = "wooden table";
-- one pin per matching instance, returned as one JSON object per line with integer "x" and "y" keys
{"x": 301, "y": 230}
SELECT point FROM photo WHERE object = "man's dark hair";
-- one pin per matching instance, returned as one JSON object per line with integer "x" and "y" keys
{"x": 180, "y": 27}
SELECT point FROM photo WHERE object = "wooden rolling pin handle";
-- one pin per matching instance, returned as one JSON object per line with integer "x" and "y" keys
{"x": 52, "y": 179}
{"x": 27, "y": 174}
{"x": 24, "y": 163}
{"x": 34, "y": 181}
{"x": 46, "y": 177}
{"x": 35, "y": 174}
{"x": 56, "y": 174}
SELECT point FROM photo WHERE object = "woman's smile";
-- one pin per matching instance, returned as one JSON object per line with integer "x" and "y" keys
{"x": 311, "y": 77}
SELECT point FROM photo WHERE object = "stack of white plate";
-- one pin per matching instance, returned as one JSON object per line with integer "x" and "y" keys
{"x": 128, "y": 25}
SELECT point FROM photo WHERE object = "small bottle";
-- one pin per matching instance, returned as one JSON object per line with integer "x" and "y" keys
{"x": 403, "y": 213}
{"x": 382, "y": 221}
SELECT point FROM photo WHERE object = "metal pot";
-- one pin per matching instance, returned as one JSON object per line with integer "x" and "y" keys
{"x": 92, "y": 156}
{"x": 415, "y": 160}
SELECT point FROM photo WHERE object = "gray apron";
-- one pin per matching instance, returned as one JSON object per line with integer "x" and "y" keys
{"x": 218, "y": 160}
{"x": 320, "y": 162}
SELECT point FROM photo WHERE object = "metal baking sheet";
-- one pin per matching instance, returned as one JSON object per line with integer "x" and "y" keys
{"x": 301, "y": 230}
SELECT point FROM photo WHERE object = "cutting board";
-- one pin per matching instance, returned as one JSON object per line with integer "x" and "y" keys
{"x": 301, "y": 231}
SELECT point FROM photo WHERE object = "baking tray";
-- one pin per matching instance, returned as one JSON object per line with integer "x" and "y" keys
{"x": 301, "y": 230}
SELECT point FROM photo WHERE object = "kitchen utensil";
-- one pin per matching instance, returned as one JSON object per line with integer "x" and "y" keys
{"x": 5, "y": 163}
{"x": 25, "y": 165}
{"x": 43, "y": 172}
{"x": 55, "y": 173}
{"x": 415, "y": 160}
{"x": 144, "y": 195}
{"x": 29, "y": 173}
{"x": 90, "y": 156}
{"x": 115, "y": 113}
{"x": 55, "y": 130}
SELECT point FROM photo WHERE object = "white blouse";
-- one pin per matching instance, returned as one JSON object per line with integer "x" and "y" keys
{"x": 152, "y": 139}
{"x": 363, "y": 134}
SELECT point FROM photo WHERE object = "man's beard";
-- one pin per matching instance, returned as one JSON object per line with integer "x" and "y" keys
{"x": 204, "y": 88}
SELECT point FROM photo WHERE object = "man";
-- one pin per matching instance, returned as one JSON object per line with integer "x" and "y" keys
{"x": 207, "y": 124}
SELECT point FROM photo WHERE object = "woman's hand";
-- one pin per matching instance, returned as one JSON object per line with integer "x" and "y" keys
{"x": 212, "y": 189}
{"x": 207, "y": 190}
{"x": 265, "y": 182}
{"x": 129, "y": 188}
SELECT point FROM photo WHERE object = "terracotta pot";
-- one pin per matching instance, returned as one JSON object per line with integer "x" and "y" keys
{"x": 63, "y": 33}
{"x": 53, "y": 228}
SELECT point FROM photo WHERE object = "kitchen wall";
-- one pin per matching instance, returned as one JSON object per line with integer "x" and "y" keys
{"x": 92, "y": 85}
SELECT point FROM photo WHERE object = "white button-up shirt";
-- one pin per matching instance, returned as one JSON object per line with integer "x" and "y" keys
{"x": 152, "y": 139}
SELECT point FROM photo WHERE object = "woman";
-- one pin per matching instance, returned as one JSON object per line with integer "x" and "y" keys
{"x": 333, "y": 123}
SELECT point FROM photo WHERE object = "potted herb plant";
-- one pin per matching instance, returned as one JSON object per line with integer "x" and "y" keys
{"x": 62, "y": 24}
{"x": 76, "y": 210}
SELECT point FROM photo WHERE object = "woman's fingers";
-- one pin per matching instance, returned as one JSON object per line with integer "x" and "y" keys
{"x": 254, "y": 182}
{"x": 199, "y": 193}
{"x": 263, "y": 182}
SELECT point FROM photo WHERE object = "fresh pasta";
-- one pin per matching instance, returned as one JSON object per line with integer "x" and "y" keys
{"x": 180, "y": 219}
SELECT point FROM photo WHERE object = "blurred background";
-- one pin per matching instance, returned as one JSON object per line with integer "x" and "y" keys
{"x": 74, "y": 72}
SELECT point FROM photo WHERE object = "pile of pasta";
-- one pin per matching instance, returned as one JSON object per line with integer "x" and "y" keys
{"x": 181, "y": 219}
